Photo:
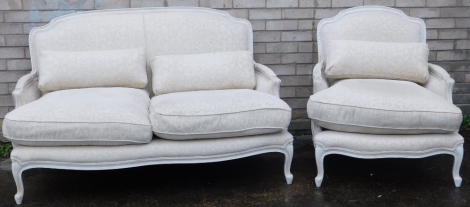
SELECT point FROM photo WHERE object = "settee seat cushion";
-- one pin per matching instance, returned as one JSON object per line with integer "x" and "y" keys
{"x": 217, "y": 114}
{"x": 91, "y": 116}
{"x": 377, "y": 106}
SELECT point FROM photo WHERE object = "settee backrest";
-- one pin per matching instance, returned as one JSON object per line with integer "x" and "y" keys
{"x": 370, "y": 23}
{"x": 161, "y": 31}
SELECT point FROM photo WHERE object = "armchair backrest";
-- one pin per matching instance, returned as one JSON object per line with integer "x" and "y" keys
{"x": 370, "y": 23}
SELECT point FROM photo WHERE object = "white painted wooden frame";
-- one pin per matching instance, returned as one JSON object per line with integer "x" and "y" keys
{"x": 320, "y": 83}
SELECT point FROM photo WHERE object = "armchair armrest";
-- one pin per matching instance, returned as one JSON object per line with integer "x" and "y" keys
{"x": 319, "y": 79}
{"x": 26, "y": 90}
{"x": 440, "y": 82}
{"x": 266, "y": 80}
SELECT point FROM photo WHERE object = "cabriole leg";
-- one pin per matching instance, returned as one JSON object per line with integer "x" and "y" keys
{"x": 17, "y": 171}
{"x": 458, "y": 156}
{"x": 319, "y": 155}
{"x": 288, "y": 162}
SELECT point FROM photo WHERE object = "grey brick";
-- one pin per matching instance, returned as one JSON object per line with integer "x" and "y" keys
{"x": 3, "y": 89}
{"x": 296, "y": 36}
{"x": 306, "y": 47}
{"x": 3, "y": 64}
{"x": 297, "y": 103}
{"x": 462, "y": 22}
{"x": 284, "y": 47}
{"x": 76, "y": 4}
{"x": 405, "y": 10}
{"x": 112, "y": 4}
{"x": 299, "y": 114}
{"x": 265, "y": 14}
{"x": 282, "y": 3}
{"x": 266, "y": 36}
{"x": 321, "y": 3}
{"x": 267, "y": 58}
{"x": 287, "y": 92}
{"x": 27, "y": 27}
{"x": 453, "y": 34}
{"x": 296, "y": 80}
{"x": 258, "y": 24}
{"x": 147, "y": 3}
{"x": 259, "y": 47}
{"x": 348, "y": 3}
{"x": 326, "y": 13}
{"x": 33, "y": 16}
{"x": 11, "y": 76}
{"x": 216, "y": 3}
{"x": 6, "y": 100}
{"x": 249, "y": 3}
{"x": 306, "y": 24}
{"x": 40, "y": 5}
{"x": 182, "y": 2}
{"x": 11, "y": 87}
{"x": 410, "y": 3}
{"x": 3, "y": 112}
{"x": 455, "y": 12}
{"x": 425, "y": 12}
{"x": 281, "y": 25}
{"x": 16, "y": 40}
{"x": 239, "y": 13}
{"x": 380, "y": 2}
{"x": 283, "y": 69}
{"x": 440, "y": 23}
{"x": 26, "y": 52}
{"x": 297, "y": 58}
{"x": 432, "y": 56}
{"x": 1, "y": 16}
{"x": 462, "y": 45}
{"x": 462, "y": 88}
{"x": 304, "y": 69}
{"x": 300, "y": 124}
{"x": 451, "y": 55}
{"x": 303, "y": 92}
{"x": 11, "y": 28}
{"x": 10, "y": 5}
{"x": 2, "y": 41}
{"x": 20, "y": 64}
{"x": 12, "y": 52}
{"x": 297, "y": 13}
{"x": 306, "y": 3}
{"x": 441, "y": 45}
{"x": 441, "y": 3}
{"x": 431, "y": 34}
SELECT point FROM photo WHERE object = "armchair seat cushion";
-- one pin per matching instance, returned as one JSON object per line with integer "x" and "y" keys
{"x": 92, "y": 116}
{"x": 376, "y": 106}
{"x": 217, "y": 114}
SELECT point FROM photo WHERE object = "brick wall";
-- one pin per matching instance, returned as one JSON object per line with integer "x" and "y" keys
{"x": 284, "y": 35}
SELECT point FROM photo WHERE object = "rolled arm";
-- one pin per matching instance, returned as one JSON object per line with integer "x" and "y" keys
{"x": 26, "y": 90}
{"x": 266, "y": 80}
{"x": 440, "y": 82}
{"x": 319, "y": 79}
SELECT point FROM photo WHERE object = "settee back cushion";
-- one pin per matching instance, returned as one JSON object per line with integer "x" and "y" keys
{"x": 160, "y": 31}
{"x": 385, "y": 60}
{"x": 205, "y": 71}
{"x": 61, "y": 70}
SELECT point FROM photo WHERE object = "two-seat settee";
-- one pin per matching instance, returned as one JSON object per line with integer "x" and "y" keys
{"x": 103, "y": 83}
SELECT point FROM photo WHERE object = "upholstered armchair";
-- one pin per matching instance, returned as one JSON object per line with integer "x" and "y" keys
{"x": 376, "y": 95}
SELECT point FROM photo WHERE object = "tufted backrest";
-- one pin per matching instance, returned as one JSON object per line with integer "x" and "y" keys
{"x": 370, "y": 23}
{"x": 160, "y": 31}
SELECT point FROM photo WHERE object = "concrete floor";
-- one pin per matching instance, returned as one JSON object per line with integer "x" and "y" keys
{"x": 252, "y": 181}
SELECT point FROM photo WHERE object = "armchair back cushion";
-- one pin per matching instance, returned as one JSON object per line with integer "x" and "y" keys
{"x": 61, "y": 70}
{"x": 386, "y": 60}
{"x": 206, "y": 71}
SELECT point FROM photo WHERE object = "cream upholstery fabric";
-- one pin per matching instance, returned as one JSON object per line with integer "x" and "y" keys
{"x": 217, "y": 114}
{"x": 373, "y": 24}
{"x": 266, "y": 80}
{"x": 362, "y": 59}
{"x": 61, "y": 70}
{"x": 157, "y": 149}
{"x": 93, "y": 116}
{"x": 387, "y": 143}
{"x": 206, "y": 71}
{"x": 378, "y": 106}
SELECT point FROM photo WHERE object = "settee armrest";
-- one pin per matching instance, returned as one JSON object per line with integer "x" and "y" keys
{"x": 26, "y": 90}
{"x": 319, "y": 79}
{"x": 266, "y": 80}
{"x": 440, "y": 82}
